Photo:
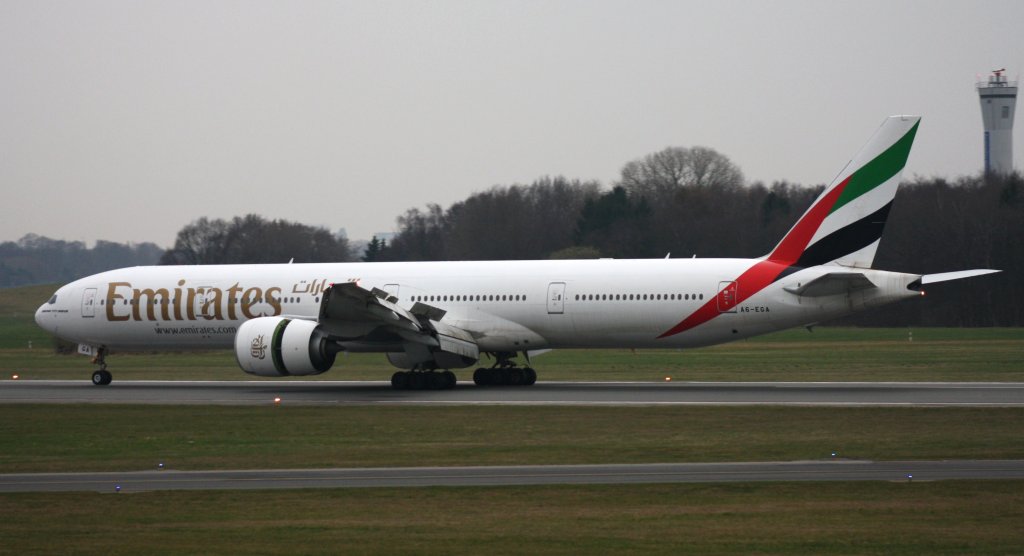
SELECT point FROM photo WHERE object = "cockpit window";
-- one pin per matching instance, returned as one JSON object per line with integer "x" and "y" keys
{"x": 53, "y": 299}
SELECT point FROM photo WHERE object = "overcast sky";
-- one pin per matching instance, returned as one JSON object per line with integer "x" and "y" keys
{"x": 126, "y": 120}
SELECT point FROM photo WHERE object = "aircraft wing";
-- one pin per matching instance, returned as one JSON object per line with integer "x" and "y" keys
{"x": 833, "y": 283}
{"x": 351, "y": 313}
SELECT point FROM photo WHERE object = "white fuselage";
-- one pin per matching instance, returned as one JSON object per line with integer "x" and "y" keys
{"x": 509, "y": 305}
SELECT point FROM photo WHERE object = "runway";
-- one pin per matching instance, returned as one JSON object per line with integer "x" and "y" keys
{"x": 943, "y": 394}
{"x": 141, "y": 481}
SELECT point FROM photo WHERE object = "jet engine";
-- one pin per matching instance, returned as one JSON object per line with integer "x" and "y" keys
{"x": 276, "y": 346}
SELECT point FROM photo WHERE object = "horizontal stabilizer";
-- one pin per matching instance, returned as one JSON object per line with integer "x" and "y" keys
{"x": 946, "y": 276}
{"x": 833, "y": 283}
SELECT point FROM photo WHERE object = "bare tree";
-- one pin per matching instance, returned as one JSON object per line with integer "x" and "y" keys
{"x": 254, "y": 239}
{"x": 666, "y": 171}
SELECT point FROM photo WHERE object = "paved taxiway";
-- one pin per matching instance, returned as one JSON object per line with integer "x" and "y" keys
{"x": 139, "y": 481}
{"x": 543, "y": 393}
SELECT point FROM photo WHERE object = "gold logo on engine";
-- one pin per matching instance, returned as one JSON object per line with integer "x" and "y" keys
{"x": 258, "y": 348}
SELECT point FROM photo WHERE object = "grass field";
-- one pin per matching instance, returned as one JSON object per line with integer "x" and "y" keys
{"x": 117, "y": 438}
{"x": 979, "y": 517}
{"x": 827, "y": 354}
{"x": 947, "y": 517}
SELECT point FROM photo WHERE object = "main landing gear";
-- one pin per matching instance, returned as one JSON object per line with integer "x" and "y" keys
{"x": 505, "y": 372}
{"x": 423, "y": 380}
{"x": 102, "y": 377}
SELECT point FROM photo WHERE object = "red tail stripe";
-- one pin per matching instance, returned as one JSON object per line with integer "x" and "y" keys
{"x": 757, "y": 277}
{"x": 795, "y": 242}
{"x": 753, "y": 280}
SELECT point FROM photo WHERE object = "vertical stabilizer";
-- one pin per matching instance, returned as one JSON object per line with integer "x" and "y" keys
{"x": 844, "y": 224}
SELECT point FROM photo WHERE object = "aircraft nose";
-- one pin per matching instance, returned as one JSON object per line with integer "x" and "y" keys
{"x": 41, "y": 320}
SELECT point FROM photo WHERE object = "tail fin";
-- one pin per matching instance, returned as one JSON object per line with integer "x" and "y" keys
{"x": 844, "y": 224}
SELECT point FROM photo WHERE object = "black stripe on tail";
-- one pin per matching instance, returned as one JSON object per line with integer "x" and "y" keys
{"x": 846, "y": 240}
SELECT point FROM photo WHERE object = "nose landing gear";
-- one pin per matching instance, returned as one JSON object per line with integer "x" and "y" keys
{"x": 101, "y": 377}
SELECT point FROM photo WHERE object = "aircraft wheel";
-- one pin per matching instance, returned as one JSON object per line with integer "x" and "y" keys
{"x": 531, "y": 376}
{"x": 480, "y": 377}
{"x": 449, "y": 379}
{"x": 400, "y": 380}
{"x": 102, "y": 378}
{"x": 515, "y": 377}
{"x": 436, "y": 381}
{"x": 417, "y": 381}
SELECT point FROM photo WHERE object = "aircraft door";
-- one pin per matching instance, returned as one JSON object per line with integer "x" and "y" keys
{"x": 727, "y": 297}
{"x": 556, "y": 295}
{"x": 89, "y": 303}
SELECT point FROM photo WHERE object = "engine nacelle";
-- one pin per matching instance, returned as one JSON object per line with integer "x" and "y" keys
{"x": 276, "y": 346}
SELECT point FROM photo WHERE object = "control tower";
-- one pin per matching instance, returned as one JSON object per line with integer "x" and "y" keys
{"x": 998, "y": 100}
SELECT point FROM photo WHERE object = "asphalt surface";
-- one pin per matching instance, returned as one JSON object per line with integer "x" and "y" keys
{"x": 542, "y": 393}
{"x": 140, "y": 481}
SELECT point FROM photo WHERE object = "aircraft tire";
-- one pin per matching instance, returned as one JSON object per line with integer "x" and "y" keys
{"x": 449, "y": 380}
{"x": 531, "y": 376}
{"x": 102, "y": 378}
{"x": 514, "y": 377}
{"x": 400, "y": 380}
{"x": 480, "y": 377}
{"x": 436, "y": 381}
{"x": 417, "y": 381}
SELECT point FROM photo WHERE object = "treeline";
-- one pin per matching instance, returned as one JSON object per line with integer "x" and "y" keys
{"x": 693, "y": 202}
{"x": 248, "y": 239}
{"x": 36, "y": 259}
{"x": 942, "y": 226}
{"x": 253, "y": 239}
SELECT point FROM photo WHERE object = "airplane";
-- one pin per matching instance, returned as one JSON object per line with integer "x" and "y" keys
{"x": 431, "y": 317}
